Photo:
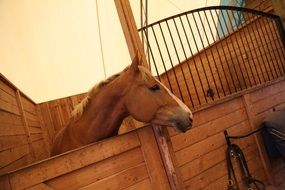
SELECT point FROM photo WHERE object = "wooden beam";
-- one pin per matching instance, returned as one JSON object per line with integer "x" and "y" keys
{"x": 168, "y": 157}
{"x": 258, "y": 139}
{"x": 130, "y": 30}
{"x": 25, "y": 123}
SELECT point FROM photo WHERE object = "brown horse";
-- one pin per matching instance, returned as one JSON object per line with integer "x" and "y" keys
{"x": 135, "y": 92}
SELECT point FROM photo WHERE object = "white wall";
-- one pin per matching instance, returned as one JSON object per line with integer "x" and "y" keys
{"x": 50, "y": 48}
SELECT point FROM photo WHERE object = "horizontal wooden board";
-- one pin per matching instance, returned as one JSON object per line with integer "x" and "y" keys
{"x": 8, "y": 118}
{"x": 142, "y": 185}
{"x": 40, "y": 186}
{"x": 195, "y": 151}
{"x": 210, "y": 159}
{"x": 11, "y": 155}
{"x": 6, "y": 88}
{"x": 6, "y": 142}
{"x": 208, "y": 129}
{"x": 98, "y": 171}
{"x": 217, "y": 171}
{"x": 28, "y": 105}
{"x": 269, "y": 103}
{"x": 213, "y": 113}
{"x": 22, "y": 161}
{"x": 121, "y": 180}
{"x": 11, "y": 130}
{"x": 266, "y": 92}
{"x": 68, "y": 162}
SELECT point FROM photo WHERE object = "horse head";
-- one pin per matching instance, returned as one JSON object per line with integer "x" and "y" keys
{"x": 148, "y": 100}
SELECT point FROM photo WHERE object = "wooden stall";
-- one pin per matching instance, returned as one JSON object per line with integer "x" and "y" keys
{"x": 22, "y": 138}
{"x": 149, "y": 157}
{"x": 242, "y": 59}
{"x": 135, "y": 161}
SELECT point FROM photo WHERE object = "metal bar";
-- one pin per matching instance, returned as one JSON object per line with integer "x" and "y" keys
{"x": 243, "y": 9}
{"x": 229, "y": 53}
{"x": 236, "y": 56}
{"x": 257, "y": 49}
{"x": 269, "y": 43}
{"x": 169, "y": 56}
{"x": 262, "y": 47}
{"x": 151, "y": 53}
{"x": 187, "y": 87}
{"x": 244, "y": 47}
{"x": 212, "y": 52}
{"x": 223, "y": 52}
{"x": 194, "y": 64}
{"x": 163, "y": 63}
{"x": 207, "y": 58}
{"x": 281, "y": 33}
{"x": 194, "y": 39}
{"x": 238, "y": 46}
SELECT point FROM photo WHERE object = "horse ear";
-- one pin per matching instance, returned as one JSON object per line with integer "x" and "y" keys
{"x": 135, "y": 63}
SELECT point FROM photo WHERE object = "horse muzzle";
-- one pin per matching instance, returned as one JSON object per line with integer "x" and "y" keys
{"x": 182, "y": 123}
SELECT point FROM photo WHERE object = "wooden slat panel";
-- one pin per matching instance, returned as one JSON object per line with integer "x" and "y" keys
{"x": 208, "y": 129}
{"x": 36, "y": 137}
{"x": 68, "y": 162}
{"x": 143, "y": 185}
{"x": 269, "y": 103}
{"x": 6, "y": 88}
{"x": 35, "y": 130}
{"x": 6, "y": 142}
{"x": 6, "y": 106}
{"x": 212, "y": 158}
{"x": 213, "y": 113}
{"x": 23, "y": 161}
{"x": 98, "y": 171}
{"x": 9, "y": 156}
{"x": 8, "y": 118}
{"x": 34, "y": 123}
{"x": 219, "y": 170}
{"x": 195, "y": 151}
{"x": 31, "y": 117}
{"x": 28, "y": 106}
{"x": 120, "y": 180}
{"x": 40, "y": 186}
{"x": 11, "y": 130}
{"x": 266, "y": 92}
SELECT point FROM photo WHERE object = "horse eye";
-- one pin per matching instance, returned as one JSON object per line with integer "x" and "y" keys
{"x": 154, "y": 87}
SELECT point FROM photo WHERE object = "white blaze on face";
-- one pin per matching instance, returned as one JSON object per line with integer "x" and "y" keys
{"x": 179, "y": 102}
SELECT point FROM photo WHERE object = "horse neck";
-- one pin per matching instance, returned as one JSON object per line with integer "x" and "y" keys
{"x": 102, "y": 117}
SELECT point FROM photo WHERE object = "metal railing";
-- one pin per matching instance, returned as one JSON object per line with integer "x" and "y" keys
{"x": 209, "y": 53}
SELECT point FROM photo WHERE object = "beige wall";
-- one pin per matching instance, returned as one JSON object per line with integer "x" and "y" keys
{"x": 50, "y": 48}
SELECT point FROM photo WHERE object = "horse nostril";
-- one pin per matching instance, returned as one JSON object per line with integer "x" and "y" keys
{"x": 190, "y": 119}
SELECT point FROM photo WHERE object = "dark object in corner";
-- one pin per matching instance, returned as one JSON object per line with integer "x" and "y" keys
{"x": 274, "y": 134}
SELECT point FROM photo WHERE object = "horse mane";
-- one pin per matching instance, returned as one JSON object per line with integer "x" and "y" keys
{"x": 79, "y": 108}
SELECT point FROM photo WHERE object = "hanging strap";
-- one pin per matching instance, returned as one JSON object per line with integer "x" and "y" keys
{"x": 234, "y": 151}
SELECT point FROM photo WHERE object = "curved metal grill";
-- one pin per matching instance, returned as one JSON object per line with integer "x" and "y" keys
{"x": 206, "y": 54}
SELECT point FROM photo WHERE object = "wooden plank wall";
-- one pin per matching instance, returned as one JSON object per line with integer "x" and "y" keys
{"x": 21, "y": 134}
{"x": 200, "y": 153}
{"x": 253, "y": 52}
{"x": 56, "y": 114}
{"x": 130, "y": 161}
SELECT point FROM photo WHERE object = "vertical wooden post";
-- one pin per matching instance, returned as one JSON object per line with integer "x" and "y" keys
{"x": 25, "y": 123}
{"x": 130, "y": 30}
{"x": 134, "y": 44}
{"x": 168, "y": 157}
{"x": 261, "y": 149}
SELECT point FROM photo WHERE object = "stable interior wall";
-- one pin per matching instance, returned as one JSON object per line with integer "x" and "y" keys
{"x": 200, "y": 153}
{"x": 22, "y": 138}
